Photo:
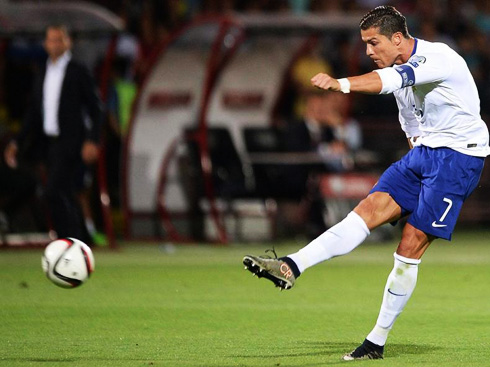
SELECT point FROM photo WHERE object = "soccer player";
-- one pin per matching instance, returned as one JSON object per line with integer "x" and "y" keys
{"x": 440, "y": 113}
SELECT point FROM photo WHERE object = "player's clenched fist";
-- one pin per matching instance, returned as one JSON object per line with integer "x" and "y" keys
{"x": 325, "y": 81}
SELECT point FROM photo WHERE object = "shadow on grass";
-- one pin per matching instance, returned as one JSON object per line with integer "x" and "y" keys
{"x": 332, "y": 351}
{"x": 396, "y": 350}
{"x": 391, "y": 349}
{"x": 309, "y": 349}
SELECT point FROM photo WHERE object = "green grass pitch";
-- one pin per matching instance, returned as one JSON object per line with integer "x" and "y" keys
{"x": 196, "y": 306}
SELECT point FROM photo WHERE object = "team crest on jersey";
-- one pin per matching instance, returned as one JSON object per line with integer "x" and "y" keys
{"x": 416, "y": 60}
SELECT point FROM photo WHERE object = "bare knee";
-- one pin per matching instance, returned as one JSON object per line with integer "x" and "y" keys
{"x": 378, "y": 208}
{"x": 414, "y": 242}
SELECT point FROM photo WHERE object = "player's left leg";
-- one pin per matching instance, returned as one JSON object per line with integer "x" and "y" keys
{"x": 399, "y": 287}
{"x": 448, "y": 178}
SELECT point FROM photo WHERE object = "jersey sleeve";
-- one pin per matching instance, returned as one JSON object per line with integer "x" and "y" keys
{"x": 419, "y": 69}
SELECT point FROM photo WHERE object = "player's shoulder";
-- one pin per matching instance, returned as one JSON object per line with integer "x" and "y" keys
{"x": 437, "y": 49}
{"x": 437, "y": 54}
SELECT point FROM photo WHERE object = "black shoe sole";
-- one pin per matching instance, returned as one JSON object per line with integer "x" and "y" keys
{"x": 252, "y": 267}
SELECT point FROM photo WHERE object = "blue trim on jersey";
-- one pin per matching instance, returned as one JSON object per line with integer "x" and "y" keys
{"x": 407, "y": 74}
{"x": 414, "y": 48}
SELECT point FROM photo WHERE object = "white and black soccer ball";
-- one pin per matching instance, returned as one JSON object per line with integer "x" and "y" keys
{"x": 68, "y": 262}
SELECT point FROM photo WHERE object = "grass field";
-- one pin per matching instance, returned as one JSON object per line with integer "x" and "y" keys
{"x": 196, "y": 306}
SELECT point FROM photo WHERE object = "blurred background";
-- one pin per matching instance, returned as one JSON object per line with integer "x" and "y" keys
{"x": 212, "y": 132}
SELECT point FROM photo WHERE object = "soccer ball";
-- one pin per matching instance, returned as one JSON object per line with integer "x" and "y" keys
{"x": 68, "y": 262}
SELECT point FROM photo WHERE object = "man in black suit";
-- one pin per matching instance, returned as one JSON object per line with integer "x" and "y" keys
{"x": 63, "y": 125}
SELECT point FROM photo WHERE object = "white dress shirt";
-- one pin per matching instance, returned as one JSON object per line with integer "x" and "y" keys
{"x": 53, "y": 81}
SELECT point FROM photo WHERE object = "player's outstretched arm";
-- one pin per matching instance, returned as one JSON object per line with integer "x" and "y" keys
{"x": 369, "y": 83}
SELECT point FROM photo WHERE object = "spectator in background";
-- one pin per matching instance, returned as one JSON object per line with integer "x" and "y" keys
{"x": 312, "y": 62}
{"x": 346, "y": 129}
{"x": 307, "y": 133}
{"x": 63, "y": 95}
{"x": 324, "y": 125}
{"x": 320, "y": 125}
{"x": 326, "y": 130}
{"x": 347, "y": 135}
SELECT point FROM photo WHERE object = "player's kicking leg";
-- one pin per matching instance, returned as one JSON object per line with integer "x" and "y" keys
{"x": 338, "y": 240}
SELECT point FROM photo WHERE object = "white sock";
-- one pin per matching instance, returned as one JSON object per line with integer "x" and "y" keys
{"x": 340, "y": 239}
{"x": 399, "y": 287}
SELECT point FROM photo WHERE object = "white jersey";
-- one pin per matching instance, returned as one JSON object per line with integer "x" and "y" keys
{"x": 438, "y": 99}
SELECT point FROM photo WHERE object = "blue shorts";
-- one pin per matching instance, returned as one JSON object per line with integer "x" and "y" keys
{"x": 430, "y": 185}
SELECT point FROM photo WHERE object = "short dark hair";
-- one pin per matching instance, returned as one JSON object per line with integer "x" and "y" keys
{"x": 387, "y": 19}
{"x": 59, "y": 26}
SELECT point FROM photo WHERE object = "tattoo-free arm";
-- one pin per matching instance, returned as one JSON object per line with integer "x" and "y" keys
{"x": 369, "y": 83}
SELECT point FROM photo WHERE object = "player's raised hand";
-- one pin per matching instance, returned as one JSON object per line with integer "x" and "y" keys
{"x": 326, "y": 82}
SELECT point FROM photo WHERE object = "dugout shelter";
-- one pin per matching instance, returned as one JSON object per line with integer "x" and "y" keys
{"x": 213, "y": 83}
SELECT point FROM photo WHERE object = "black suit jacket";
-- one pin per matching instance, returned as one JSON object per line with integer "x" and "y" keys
{"x": 297, "y": 137}
{"x": 79, "y": 99}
